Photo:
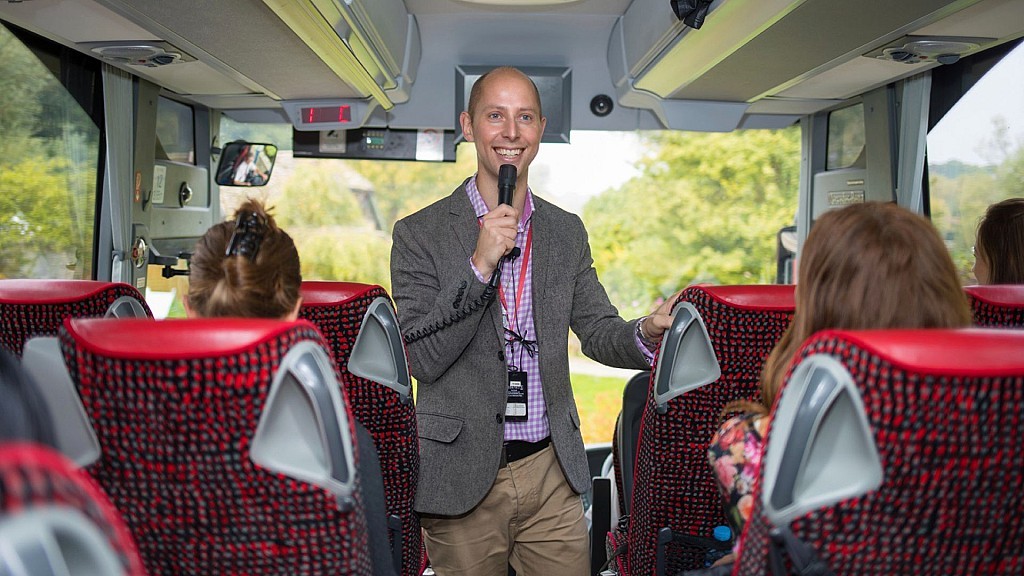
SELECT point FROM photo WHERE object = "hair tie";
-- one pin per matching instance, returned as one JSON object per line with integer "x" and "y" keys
{"x": 248, "y": 234}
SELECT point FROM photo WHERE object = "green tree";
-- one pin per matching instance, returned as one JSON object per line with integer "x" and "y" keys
{"x": 317, "y": 196}
{"x": 20, "y": 104}
{"x": 401, "y": 188}
{"x": 706, "y": 207}
{"x": 347, "y": 254}
{"x": 36, "y": 224}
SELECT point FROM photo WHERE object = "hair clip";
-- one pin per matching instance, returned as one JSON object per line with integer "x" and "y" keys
{"x": 248, "y": 234}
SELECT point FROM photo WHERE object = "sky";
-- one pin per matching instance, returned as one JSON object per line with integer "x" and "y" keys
{"x": 963, "y": 134}
{"x": 597, "y": 160}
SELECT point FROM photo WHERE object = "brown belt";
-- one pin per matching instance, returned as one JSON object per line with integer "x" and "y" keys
{"x": 518, "y": 449}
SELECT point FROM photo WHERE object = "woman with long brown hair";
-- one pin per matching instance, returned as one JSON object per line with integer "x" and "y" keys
{"x": 866, "y": 266}
{"x": 999, "y": 245}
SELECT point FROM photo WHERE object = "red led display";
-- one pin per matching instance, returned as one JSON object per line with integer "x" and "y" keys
{"x": 323, "y": 114}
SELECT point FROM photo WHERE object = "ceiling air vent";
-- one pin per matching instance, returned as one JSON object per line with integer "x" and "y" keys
{"x": 140, "y": 54}
{"x": 921, "y": 49}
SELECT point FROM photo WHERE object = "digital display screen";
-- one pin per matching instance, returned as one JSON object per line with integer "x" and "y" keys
{"x": 326, "y": 114}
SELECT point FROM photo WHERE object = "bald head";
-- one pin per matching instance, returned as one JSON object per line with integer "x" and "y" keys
{"x": 492, "y": 75}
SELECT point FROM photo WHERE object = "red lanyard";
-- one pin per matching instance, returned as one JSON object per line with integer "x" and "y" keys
{"x": 522, "y": 279}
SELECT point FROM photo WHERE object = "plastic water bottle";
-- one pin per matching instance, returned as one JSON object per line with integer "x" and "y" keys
{"x": 720, "y": 534}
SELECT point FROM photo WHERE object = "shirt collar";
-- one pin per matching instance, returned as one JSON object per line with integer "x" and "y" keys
{"x": 481, "y": 208}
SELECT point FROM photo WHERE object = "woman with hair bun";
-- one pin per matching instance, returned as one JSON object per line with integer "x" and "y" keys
{"x": 249, "y": 268}
{"x": 246, "y": 267}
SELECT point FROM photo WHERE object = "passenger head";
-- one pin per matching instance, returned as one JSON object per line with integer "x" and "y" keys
{"x": 869, "y": 266}
{"x": 504, "y": 121}
{"x": 246, "y": 267}
{"x": 999, "y": 245}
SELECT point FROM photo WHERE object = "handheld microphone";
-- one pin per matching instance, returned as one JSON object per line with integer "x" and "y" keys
{"x": 506, "y": 188}
{"x": 506, "y": 183}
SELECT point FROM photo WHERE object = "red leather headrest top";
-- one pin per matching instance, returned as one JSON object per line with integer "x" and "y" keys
{"x": 50, "y": 291}
{"x": 772, "y": 297}
{"x": 1005, "y": 295}
{"x": 332, "y": 293}
{"x": 964, "y": 352}
{"x": 143, "y": 338}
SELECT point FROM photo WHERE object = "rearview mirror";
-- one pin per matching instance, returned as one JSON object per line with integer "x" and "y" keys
{"x": 246, "y": 164}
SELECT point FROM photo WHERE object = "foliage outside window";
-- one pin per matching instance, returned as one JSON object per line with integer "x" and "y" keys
{"x": 49, "y": 154}
{"x": 976, "y": 157}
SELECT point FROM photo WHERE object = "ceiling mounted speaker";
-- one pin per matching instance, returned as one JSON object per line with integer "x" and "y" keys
{"x": 921, "y": 49}
{"x": 139, "y": 54}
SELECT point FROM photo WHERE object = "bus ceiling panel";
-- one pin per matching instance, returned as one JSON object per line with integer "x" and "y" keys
{"x": 219, "y": 35}
{"x": 800, "y": 39}
{"x": 539, "y": 39}
{"x": 243, "y": 40}
{"x": 70, "y": 22}
{"x": 374, "y": 45}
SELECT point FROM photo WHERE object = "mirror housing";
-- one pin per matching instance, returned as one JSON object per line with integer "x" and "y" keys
{"x": 246, "y": 164}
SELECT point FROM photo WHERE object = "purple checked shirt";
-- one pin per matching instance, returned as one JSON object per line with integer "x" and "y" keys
{"x": 516, "y": 356}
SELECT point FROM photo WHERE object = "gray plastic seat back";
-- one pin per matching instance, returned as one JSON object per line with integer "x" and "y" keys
{"x": 73, "y": 433}
{"x": 55, "y": 541}
{"x": 822, "y": 447}
{"x": 687, "y": 360}
{"x": 379, "y": 352}
{"x": 304, "y": 431}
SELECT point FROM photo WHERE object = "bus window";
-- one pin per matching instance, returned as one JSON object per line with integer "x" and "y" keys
{"x": 845, "y": 137}
{"x": 976, "y": 156}
{"x": 49, "y": 155}
{"x": 175, "y": 132}
{"x": 663, "y": 209}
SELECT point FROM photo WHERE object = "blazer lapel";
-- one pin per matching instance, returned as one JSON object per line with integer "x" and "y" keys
{"x": 463, "y": 220}
{"x": 541, "y": 260}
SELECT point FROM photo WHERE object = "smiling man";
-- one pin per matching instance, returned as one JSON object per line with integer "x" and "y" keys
{"x": 502, "y": 457}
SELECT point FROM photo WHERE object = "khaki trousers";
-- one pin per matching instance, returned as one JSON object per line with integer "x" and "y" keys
{"x": 530, "y": 519}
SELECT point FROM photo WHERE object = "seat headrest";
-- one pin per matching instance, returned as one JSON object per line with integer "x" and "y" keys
{"x": 1002, "y": 295}
{"x": 318, "y": 293}
{"x": 35, "y": 291}
{"x": 773, "y": 297}
{"x": 173, "y": 339}
{"x": 55, "y": 520}
{"x": 978, "y": 351}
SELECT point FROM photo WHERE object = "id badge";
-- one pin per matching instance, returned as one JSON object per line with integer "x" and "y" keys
{"x": 515, "y": 407}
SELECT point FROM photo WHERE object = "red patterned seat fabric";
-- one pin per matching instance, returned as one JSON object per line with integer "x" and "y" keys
{"x": 33, "y": 476}
{"x": 674, "y": 486}
{"x": 31, "y": 308}
{"x": 997, "y": 305}
{"x": 175, "y": 405}
{"x": 337, "y": 309}
{"x": 946, "y": 409}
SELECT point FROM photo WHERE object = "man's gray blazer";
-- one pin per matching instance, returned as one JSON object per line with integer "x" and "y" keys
{"x": 460, "y": 369}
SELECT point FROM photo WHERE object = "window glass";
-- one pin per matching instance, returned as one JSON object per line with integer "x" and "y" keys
{"x": 976, "y": 157}
{"x": 845, "y": 137}
{"x": 49, "y": 157}
{"x": 663, "y": 209}
{"x": 175, "y": 132}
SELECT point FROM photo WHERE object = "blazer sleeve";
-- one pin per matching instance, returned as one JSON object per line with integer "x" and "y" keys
{"x": 431, "y": 288}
